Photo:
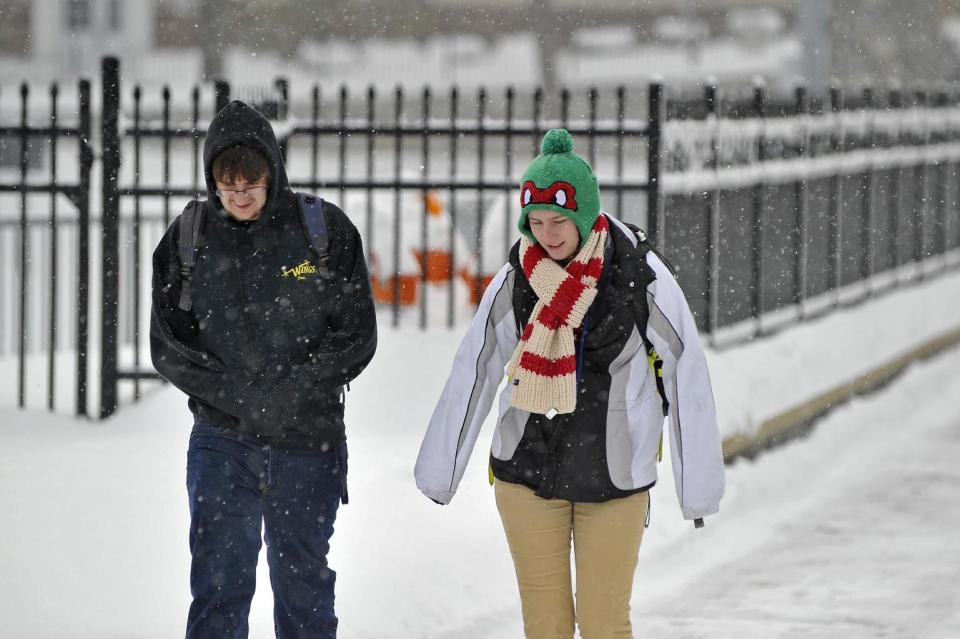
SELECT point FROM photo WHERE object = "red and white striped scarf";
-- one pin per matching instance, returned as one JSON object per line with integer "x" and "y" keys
{"x": 543, "y": 369}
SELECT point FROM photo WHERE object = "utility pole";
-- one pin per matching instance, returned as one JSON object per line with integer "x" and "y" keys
{"x": 212, "y": 38}
{"x": 813, "y": 21}
{"x": 543, "y": 20}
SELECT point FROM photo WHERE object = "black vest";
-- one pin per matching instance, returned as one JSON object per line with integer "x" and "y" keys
{"x": 565, "y": 457}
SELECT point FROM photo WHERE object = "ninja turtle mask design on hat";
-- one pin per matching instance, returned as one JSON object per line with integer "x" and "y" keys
{"x": 559, "y": 180}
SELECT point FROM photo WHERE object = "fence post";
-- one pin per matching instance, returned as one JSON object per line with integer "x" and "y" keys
{"x": 759, "y": 204}
{"x": 110, "y": 139}
{"x": 711, "y": 96}
{"x": 52, "y": 300}
{"x": 397, "y": 193}
{"x": 371, "y": 126}
{"x": 24, "y": 164}
{"x": 425, "y": 210}
{"x": 656, "y": 117}
{"x": 895, "y": 102}
{"x": 867, "y": 267}
{"x": 221, "y": 94}
{"x": 836, "y": 198}
{"x": 800, "y": 272}
{"x": 481, "y": 163}
{"x": 282, "y": 86}
{"x": 83, "y": 248}
{"x": 452, "y": 175}
{"x": 921, "y": 216}
{"x": 941, "y": 198}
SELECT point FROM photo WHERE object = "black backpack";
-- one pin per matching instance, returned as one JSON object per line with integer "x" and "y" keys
{"x": 191, "y": 238}
{"x": 641, "y": 310}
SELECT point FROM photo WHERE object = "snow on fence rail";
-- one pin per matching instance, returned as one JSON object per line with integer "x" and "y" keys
{"x": 774, "y": 216}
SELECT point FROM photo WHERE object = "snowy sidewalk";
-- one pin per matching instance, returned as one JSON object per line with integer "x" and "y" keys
{"x": 851, "y": 533}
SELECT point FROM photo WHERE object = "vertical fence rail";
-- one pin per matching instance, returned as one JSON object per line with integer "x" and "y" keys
{"x": 24, "y": 249}
{"x": 194, "y": 127}
{"x": 315, "y": 97}
{"x": 82, "y": 201}
{"x": 342, "y": 140}
{"x": 869, "y": 200}
{"x": 802, "y": 106}
{"x": 758, "y": 204}
{"x": 836, "y": 210}
{"x": 165, "y": 140}
{"x": 314, "y": 134}
{"x": 564, "y": 107}
{"x": 896, "y": 195}
{"x": 656, "y": 116}
{"x": 371, "y": 126}
{"x": 481, "y": 165}
{"x": 941, "y": 199}
{"x": 221, "y": 95}
{"x": 454, "y": 146}
{"x": 137, "y": 216}
{"x": 425, "y": 249}
{"x": 711, "y": 94}
{"x": 54, "y": 253}
{"x": 397, "y": 222}
{"x": 282, "y": 87}
{"x": 110, "y": 141}
{"x": 922, "y": 210}
{"x": 508, "y": 170}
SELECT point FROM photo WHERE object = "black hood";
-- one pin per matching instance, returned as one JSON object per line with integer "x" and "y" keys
{"x": 235, "y": 124}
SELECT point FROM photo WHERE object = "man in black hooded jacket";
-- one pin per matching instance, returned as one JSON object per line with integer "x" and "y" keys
{"x": 263, "y": 355}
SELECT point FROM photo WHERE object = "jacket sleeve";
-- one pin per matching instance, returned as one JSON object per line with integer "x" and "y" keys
{"x": 694, "y": 436}
{"x": 173, "y": 335}
{"x": 478, "y": 369}
{"x": 350, "y": 340}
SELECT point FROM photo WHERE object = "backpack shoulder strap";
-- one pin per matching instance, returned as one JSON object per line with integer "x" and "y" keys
{"x": 519, "y": 295}
{"x": 315, "y": 226}
{"x": 191, "y": 236}
{"x": 641, "y": 309}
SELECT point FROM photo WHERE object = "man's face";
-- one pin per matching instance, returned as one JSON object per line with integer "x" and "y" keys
{"x": 556, "y": 233}
{"x": 243, "y": 200}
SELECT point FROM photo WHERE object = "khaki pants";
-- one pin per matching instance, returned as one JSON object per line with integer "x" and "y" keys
{"x": 606, "y": 540}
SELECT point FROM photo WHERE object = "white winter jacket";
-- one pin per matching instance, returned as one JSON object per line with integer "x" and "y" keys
{"x": 628, "y": 417}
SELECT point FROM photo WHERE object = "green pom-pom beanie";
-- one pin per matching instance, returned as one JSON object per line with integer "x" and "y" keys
{"x": 559, "y": 180}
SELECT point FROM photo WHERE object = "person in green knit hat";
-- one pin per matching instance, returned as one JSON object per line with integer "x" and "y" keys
{"x": 598, "y": 345}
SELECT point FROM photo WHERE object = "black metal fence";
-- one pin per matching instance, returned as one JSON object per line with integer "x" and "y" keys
{"x": 44, "y": 249}
{"x": 776, "y": 209}
{"x": 384, "y": 158}
{"x": 773, "y": 207}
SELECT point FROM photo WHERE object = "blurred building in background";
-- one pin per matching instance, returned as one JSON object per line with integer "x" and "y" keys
{"x": 63, "y": 39}
{"x": 493, "y": 43}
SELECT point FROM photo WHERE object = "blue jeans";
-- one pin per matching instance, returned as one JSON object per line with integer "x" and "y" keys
{"x": 238, "y": 486}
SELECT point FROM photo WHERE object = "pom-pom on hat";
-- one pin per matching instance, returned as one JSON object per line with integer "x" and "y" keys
{"x": 559, "y": 180}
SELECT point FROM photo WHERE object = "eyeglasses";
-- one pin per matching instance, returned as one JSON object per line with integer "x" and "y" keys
{"x": 250, "y": 191}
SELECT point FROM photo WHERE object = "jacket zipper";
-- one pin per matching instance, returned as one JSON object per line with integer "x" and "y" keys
{"x": 580, "y": 349}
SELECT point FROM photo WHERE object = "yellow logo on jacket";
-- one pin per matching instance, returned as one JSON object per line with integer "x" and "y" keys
{"x": 301, "y": 270}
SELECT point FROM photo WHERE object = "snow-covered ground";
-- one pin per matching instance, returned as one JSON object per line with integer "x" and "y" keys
{"x": 850, "y": 532}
